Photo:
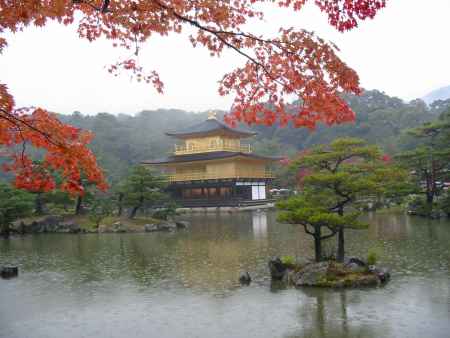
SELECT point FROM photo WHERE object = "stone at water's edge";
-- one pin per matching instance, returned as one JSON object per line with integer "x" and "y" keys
{"x": 277, "y": 269}
{"x": 119, "y": 227}
{"x": 355, "y": 264}
{"x": 182, "y": 224}
{"x": 69, "y": 227}
{"x": 57, "y": 224}
{"x": 165, "y": 226}
{"x": 245, "y": 278}
{"x": 48, "y": 224}
{"x": 354, "y": 267}
{"x": 150, "y": 227}
{"x": 383, "y": 274}
{"x": 354, "y": 260}
{"x": 9, "y": 271}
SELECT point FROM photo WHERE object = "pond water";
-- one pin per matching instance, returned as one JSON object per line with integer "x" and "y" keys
{"x": 185, "y": 284}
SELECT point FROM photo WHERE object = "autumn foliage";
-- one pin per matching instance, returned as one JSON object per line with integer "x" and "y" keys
{"x": 66, "y": 154}
{"x": 295, "y": 64}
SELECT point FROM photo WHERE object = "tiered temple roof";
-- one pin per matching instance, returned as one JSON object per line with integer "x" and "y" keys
{"x": 210, "y": 126}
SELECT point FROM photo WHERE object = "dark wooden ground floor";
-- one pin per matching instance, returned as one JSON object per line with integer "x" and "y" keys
{"x": 217, "y": 193}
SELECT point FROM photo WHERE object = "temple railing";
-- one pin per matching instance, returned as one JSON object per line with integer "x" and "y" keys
{"x": 183, "y": 150}
{"x": 198, "y": 176}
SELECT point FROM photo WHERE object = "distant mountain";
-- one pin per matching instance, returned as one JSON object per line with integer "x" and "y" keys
{"x": 438, "y": 94}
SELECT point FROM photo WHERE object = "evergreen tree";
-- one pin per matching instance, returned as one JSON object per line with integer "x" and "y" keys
{"x": 14, "y": 203}
{"x": 143, "y": 188}
{"x": 429, "y": 162}
{"x": 310, "y": 211}
{"x": 100, "y": 208}
{"x": 339, "y": 176}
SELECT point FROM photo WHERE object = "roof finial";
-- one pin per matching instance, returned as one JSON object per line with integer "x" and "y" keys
{"x": 212, "y": 115}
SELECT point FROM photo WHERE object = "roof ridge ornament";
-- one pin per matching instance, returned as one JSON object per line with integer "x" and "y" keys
{"x": 212, "y": 115}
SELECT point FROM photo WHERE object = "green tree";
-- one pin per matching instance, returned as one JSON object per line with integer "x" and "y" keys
{"x": 100, "y": 208}
{"x": 82, "y": 201}
{"x": 14, "y": 203}
{"x": 340, "y": 176}
{"x": 118, "y": 196}
{"x": 168, "y": 210}
{"x": 429, "y": 162}
{"x": 143, "y": 188}
{"x": 58, "y": 199}
{"x": 317, "y": 220}
{"x": 445, "y": 204}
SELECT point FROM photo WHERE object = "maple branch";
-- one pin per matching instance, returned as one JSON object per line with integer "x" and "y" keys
{"x": 217, "y": 33}
{"x": 103, "y": 9}
{"x": 24, "y": 146}
{"x": 76, "y": 2}
{"x": 105, "y": 6}
{"x": 17, "y": 121}
{"x": 220, "y": 34}
{"x": 24, "y": 143}
{"x": 209, "y": 30}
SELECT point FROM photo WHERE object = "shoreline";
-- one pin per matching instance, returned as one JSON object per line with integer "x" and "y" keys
{"x": 266, "y": 206}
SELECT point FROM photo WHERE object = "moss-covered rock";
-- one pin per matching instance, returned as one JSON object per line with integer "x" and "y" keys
{"x": 336, "y": 275}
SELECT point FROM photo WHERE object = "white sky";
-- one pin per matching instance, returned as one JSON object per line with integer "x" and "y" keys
{"x": 404, "y": 51}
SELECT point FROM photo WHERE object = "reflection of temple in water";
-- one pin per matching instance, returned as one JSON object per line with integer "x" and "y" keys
{"x": 259, "y": 224}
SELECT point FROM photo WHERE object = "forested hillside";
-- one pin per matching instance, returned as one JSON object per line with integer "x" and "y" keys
{"x": 124, "y": 140}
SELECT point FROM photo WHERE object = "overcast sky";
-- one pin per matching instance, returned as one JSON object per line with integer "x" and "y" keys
{"x": 404, "y": 52}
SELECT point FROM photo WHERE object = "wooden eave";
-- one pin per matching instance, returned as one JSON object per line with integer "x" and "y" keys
{"x": 209, "y": 157}
{"x": 208, "y": 128}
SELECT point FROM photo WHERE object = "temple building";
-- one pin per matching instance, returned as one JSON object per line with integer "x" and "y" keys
{"x": 210, "y": 167}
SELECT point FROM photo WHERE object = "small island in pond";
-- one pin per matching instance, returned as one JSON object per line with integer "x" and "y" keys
{"x": 353, "y": 272}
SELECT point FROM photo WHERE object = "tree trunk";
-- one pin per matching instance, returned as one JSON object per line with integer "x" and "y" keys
{"x": 79, "y": 205}
{"x": 318, "y": 248}
{"x": 119, "y": 204}
{"x": 318, "y": 243}
{"x": 341, "y": 243}
{"x": 341, "y": 248}
{"x": 430, "y": 189}
{"x": 38, "y": 207}
{"x": 5, "y": 231}
{"x": 134, "y": 211}
{"x": 430, "y": 198}
{"x": 136, "y": 208}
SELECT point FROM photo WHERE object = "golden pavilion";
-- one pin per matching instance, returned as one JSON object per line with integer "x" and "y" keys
{"x": 211, "y": 167}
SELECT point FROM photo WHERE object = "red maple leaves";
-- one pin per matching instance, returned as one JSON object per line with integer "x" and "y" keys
{"x": 344, "y": 14}
{"x": 295, "y": 64}
{"x": 64, "y": 151}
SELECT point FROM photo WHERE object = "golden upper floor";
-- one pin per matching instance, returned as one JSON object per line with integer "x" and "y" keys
{"x": 212, "y": 150}
{"x": 210, "y": 144}
{"x": 235, "y": 168}
{"x": 210, "y": 136}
